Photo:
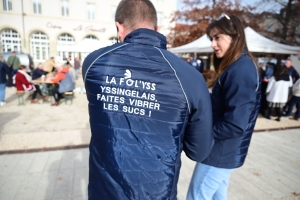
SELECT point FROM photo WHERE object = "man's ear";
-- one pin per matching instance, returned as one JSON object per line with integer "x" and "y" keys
{"x": 120, "y": 27}
{"x": 122, "y": 31}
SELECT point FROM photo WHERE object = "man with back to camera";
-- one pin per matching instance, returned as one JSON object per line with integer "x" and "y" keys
{"x": 144, "y": 110}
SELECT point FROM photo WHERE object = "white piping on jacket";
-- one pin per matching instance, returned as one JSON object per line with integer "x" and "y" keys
{"x": 177, "y": 79}
{"x": 99, "y": 57}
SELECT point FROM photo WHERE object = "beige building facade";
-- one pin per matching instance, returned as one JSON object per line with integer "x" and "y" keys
{"x": 43, "y": 28}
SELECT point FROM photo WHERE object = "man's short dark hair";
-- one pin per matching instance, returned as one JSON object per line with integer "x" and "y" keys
{"x": 131, "y": 13}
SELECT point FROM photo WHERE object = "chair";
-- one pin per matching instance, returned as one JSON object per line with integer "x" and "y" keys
{"x": 20, "y": 94}
{"x": 68, "y": 96}
{"x": 49, "y": 94}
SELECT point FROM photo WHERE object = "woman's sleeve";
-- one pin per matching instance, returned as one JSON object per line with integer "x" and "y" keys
{"x": 270, "y": 84}
{"x": 291, "y": 82}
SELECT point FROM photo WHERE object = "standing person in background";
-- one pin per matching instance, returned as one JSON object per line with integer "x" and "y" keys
{"x": 49, "y": 65}
{"x": 13, "y": 63}
{"x": 270, "y": 67}
{"x": 200, "y": 65}
{"x": 3, "y": 71}
{"x": 193, "y": 62}
{"x": 295, "y": 100}
{"x": 77, "y": 66}
{"x": 235, "y": 104}
{"x": 146, "y": 105}
{"x": 69, "y": 61}
{"x": 292, "y": 71}
{"x": 295, "y": 76}
{"x": 278, "y": 90}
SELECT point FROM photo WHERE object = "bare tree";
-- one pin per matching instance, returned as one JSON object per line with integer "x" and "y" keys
{"x": 195, "y": 15}
{"x": 281, "y": 20}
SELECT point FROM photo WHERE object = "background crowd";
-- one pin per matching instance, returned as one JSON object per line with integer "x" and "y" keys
{"x": 280, "y": 91}
{"x": 46, "y": 80}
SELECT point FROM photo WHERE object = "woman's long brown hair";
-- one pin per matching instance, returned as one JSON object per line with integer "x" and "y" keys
{"x": 233, "y": 27}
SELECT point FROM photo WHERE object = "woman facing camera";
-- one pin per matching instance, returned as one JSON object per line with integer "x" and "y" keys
{"x": 235, "y": 97}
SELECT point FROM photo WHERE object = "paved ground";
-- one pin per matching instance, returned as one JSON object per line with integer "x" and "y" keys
{"x": 272, "y": 170}
{"x": 39, "y": 126}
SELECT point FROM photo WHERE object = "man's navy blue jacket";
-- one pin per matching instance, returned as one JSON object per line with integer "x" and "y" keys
{"x": 145, "y": 106}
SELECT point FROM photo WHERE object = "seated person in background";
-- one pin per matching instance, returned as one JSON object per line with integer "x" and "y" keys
{"x": 71, "y": 71}
{"x": 23, "y": 83}
{"x": 65, "y": 83}
{"x": 38, "y": 73}
{"x": 49, "y": 65}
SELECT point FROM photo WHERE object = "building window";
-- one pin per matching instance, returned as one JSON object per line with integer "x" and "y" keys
{"x": 39, "y": 45}
{"x": 10, "y": 40}
{"x": 113, "y": 12}
{"x": 91, "y": 11}
{"x": 91, "y": 37}
{"x": 159, "y": 19}
{"x": 64, "y": 8}
{"x": 37, "y": 7}
{"x": 113, "y": 39}
{"x": 7, "y": 6}
{"x": 63, "y": 41}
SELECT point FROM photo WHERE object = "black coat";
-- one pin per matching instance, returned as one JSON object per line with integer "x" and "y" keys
{"x": 3, "y": 71}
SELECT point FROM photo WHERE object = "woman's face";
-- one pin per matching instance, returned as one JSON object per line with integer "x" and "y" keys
{"x": 219, "y": 42}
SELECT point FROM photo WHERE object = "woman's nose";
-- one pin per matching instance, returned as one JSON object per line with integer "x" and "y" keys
{"x": 213, "y": 43}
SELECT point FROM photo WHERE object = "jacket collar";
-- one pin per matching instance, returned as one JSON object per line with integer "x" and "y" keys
{"x": 147, "y": 37}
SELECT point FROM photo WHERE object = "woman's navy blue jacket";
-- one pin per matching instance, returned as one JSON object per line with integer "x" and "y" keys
{"x": 235, "y": 105}
{"x": 145, "y": 106}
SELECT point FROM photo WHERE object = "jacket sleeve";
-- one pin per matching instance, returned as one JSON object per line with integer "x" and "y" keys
{"x": 6, "y": 68}
{"x": 198, "y": 137}
{"x": 270, "y": 84}
{"x": 239, "y": 88}
{"x": 58, "y": 78}
{"x": 291, "y": 82}
{"x": 295, "y": 74}
{"x": 296, "y": 87}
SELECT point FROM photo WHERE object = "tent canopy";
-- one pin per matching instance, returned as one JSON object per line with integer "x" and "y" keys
{"x": 255, "y": 42}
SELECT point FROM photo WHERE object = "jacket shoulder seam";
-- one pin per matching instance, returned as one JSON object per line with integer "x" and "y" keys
{"x": 100, "y": 57}
{"x": 176, "y": 78}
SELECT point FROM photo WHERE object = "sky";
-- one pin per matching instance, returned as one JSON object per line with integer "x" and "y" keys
{"x": 266, "y": 6}
{"x": 246, "y": 2}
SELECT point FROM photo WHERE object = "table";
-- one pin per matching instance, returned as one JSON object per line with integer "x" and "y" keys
{"x": 48, "y": 89}
{"x": 39, "y": 80}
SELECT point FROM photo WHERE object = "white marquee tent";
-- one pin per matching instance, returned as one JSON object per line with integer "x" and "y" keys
{"x": 255, "y": 42}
